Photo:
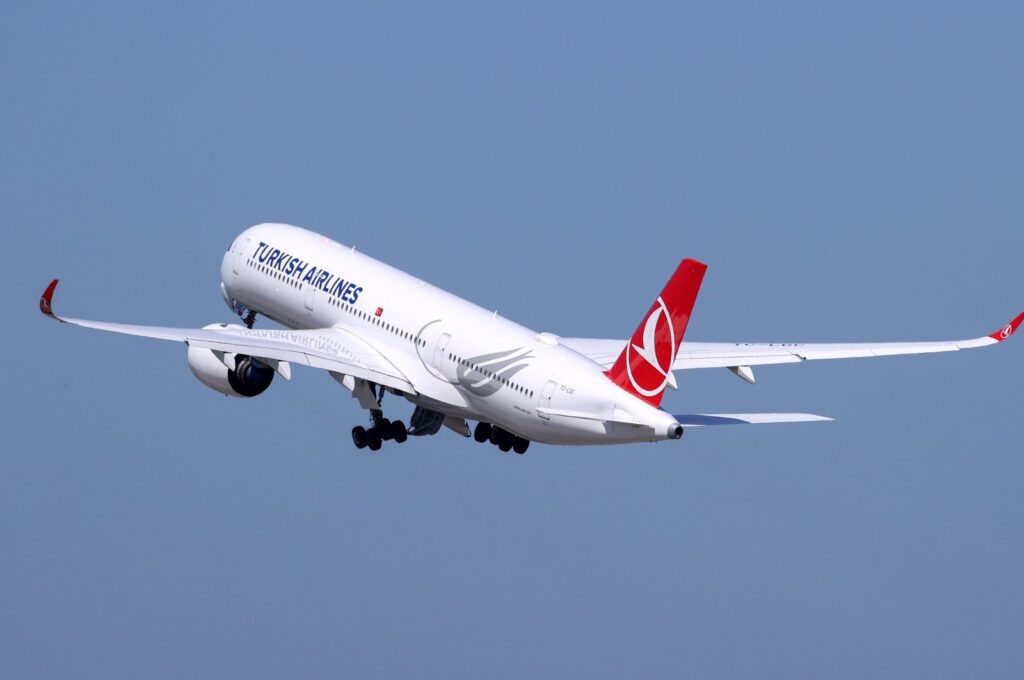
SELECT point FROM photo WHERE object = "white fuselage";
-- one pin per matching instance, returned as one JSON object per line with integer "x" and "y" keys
{"x": 463, "y": 360}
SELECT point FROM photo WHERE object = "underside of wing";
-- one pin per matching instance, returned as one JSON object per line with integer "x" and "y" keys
{"x": 705, "y": 419}
{"x": 332, "y": 349}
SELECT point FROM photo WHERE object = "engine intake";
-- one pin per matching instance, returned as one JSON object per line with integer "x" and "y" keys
{"x": 248, "y": 378}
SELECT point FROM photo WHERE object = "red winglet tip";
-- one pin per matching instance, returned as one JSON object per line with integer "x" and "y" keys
{"x": 46, "y": 302}
{"x": 1008, "y": 330}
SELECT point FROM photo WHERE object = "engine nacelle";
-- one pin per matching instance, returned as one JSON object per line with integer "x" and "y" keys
{"x": 248, "y": 378}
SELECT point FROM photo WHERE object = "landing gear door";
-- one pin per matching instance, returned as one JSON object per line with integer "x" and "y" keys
{"x": 545, "y": 398}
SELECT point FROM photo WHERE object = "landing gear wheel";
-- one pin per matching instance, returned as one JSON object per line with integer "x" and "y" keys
{"x": 398, "y": 431}
{"x": 505, "y": 446}
{"x": 359, "y": 436}
{"x": 495, "y": 436}
{"x": 519, "y": 445}
{"x": 482, "y": 432}
{"x": 373, "y": 439}
{"x": 384, "y": 427}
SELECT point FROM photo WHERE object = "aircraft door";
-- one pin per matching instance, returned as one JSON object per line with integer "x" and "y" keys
{"x": 310, "y": 292}
{"x": 439, "y": 352}
{"x": 545, "y": 398}
{"x": 434, "y": 351}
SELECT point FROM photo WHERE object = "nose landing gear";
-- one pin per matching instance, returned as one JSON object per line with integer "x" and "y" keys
{"x": 248, "y": 316}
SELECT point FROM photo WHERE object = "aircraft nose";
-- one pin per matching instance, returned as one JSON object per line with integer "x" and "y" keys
{"x": 227, "y": 296}
{"x": 225, "y": 261}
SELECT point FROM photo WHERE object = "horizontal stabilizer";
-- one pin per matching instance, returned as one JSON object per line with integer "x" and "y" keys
{"x": 702, "y": 419}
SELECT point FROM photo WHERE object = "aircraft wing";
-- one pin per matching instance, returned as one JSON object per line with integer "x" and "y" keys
{"x": 744, "y": 354}
{"x": 332, "y": 349}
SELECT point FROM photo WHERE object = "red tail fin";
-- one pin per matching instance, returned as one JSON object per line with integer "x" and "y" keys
{"x": 645, "y": 365}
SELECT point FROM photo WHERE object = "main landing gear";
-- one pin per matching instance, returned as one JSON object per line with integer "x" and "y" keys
{"x": 504, "y": 440}
{"x": 380, "y": 431}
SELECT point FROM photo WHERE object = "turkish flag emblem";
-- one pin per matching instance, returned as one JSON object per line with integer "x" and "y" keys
{"x": 380, "y": 310}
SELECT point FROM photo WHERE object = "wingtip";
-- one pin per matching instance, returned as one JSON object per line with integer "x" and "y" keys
{"x": 812, "y": 418}
{"x": 46, "y": 301}
{"x": 1009, "y": 329}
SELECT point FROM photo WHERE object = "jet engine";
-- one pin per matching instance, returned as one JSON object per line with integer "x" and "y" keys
{"x": 248, "y": 377}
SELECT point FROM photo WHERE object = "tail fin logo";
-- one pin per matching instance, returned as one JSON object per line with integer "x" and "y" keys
{"x": 644, "y": 368}
{"x": 1006, "y": 332}
{"x": 652, "y": 372}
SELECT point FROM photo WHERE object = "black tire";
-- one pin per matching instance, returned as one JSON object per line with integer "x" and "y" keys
{"x": 384, "y": 427}
{"x": 519, "y": 445}
{"x": 482, "y": 432}
{"x": 359, "y": 436}
{"x": 495, "y": 436}
{"x": 373, "y": 439}
{"x": 505, "y": 446}
{"x": 398, "y": 431}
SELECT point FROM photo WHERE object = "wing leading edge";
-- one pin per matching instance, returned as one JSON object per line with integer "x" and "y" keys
{"x": 332, "y": 349}
{"x": 736, "y": 354}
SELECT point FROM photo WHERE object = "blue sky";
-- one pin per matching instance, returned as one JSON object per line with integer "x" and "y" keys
{"x": 848, "y": 173}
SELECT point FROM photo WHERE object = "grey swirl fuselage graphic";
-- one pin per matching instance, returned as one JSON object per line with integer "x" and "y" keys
{"x": 481, "y": 375}
{"x": 485, "y": 374}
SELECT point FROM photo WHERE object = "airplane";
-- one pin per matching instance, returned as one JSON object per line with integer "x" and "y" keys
{"x": 376, "y": 330}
